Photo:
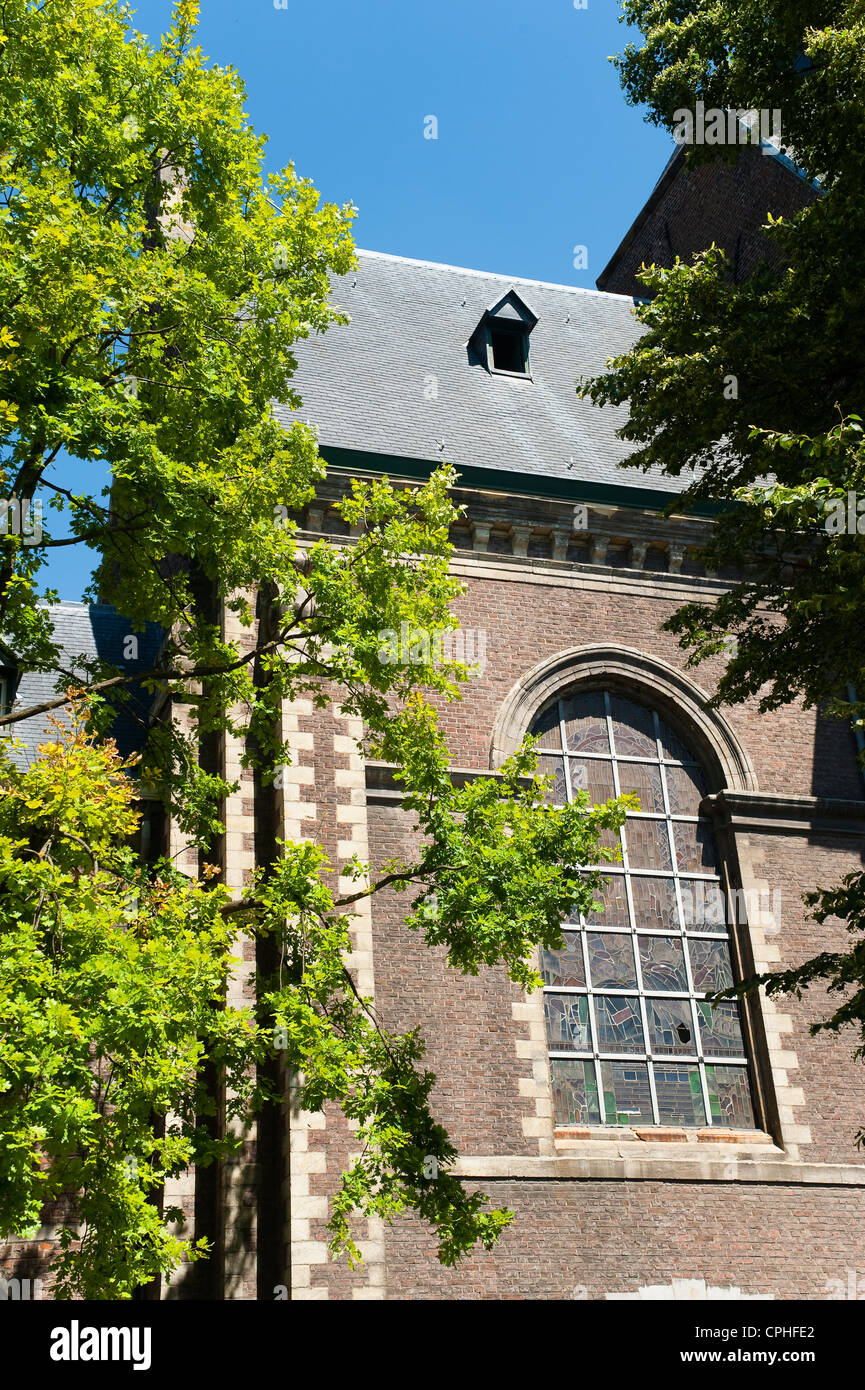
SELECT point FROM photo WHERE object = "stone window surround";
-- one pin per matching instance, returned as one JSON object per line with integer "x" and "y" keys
{"x": 626, "y": 669}
{"x": 771, "y": 1154}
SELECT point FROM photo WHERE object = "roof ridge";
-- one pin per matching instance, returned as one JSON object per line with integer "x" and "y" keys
{"x": 491, "y": 275}
{"x": 72, "y": 603}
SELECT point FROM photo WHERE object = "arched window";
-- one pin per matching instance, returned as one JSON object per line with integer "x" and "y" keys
{"x": 631, "y": 1037}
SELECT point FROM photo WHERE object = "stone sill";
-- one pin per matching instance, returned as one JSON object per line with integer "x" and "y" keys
{"x": 566, "y": 1135}
{"x": 659, "y": 1142}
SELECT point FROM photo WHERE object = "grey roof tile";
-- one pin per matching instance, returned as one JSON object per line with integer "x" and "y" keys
{"x": 88, "y": 631}
{"x": 363, "y": 385}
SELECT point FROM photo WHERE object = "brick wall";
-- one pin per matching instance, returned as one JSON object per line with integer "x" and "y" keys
{"x": 466, "y": 1021}
{"x": 833, "y": 1084}
{"x": 720, "y": 203}
{"x": 618, "y": 1235}
{"x": 591, "y": 1239}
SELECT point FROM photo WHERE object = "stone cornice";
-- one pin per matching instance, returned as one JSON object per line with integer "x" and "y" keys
{"x": 605, "y": 1168}
{"x": 566, "y": 574}
{"x": 576, "y": 575}
{"x": 779, "y": 813}
{"x": 761, "y": 812}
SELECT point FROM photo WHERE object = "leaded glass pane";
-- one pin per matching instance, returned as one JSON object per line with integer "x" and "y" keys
{"x": 730, "y": 1097}
{"x": 586, "y": 724}
{"x": 672, "y": 746}
{"x": 567, "y": 1019}
{"x": 659, "y": 934}
{"x": 710, "y": 966}
{"x": 644, "y": 781}
{"x": 720, "y": 1029}
{"x": 671, "y": 1027}
{"x": 703, "y": 905}
{"x": 620, "y": 1028}
{"x": 611, "y": 839}
{"x": 611, "y": 961}
{"x": 575, "y": 1092}
{"x": 680, "y": 1094}
{"x": 686, "y": 787}
{"x": 564, "y": 967}
{"x": 627, "y": 1098}
{"x": 633, "y": 729}
{"x": 655, "y": 903}
{"x": 595, "y": 776}
{"x": 695, "y": 847}
{"x": 614, "y": 904}
{"x": 546, "y": 728}
{"x": 557, "y": 793}
{"x": 662, "y": 961}
{"x": 648, "y": 844}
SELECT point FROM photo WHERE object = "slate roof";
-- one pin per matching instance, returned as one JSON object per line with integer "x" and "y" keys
{"x": 88, "y": 631}
{"x": 364, "y": 385}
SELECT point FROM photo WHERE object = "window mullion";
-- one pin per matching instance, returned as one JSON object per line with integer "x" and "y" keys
{"x": 564, "y": 753}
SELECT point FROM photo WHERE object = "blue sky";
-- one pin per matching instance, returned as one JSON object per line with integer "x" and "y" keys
{"x": 537, "y": 151}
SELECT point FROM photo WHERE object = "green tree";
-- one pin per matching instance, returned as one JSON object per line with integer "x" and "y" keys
{"x": 109, "y": 984}
{"x": 113, "y": 982}
{"x": 152, "y": 284}
{"x": 783, "y": 451}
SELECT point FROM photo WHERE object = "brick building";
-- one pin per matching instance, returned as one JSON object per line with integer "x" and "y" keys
{"x": 693, "y": 206}
{"x": 649, "y": 1146}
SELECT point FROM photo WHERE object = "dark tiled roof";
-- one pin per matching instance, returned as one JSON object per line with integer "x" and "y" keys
{"x": 88, "y": 632}
{"x": 368, "y": 386}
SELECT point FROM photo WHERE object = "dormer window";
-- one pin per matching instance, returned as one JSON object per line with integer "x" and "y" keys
{"x": 510, "y": 350}
{"x": 501, "y": 340}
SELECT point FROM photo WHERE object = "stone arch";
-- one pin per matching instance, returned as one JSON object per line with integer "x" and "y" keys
{"x": 631, "y": 672}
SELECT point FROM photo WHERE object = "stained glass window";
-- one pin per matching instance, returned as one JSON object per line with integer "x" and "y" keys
{"x": 632, "y": 1038}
